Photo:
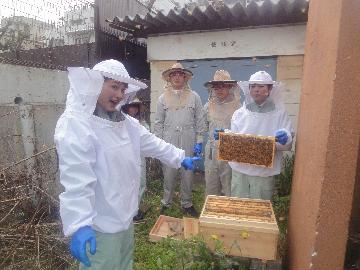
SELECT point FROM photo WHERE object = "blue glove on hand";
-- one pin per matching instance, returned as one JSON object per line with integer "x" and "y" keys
{"x": 197, "y": 149}
{"x": 188, "y": 162}
{"x": 78, "y": 244}
{"x": 216, "y": 133}
{"x": 281, "y": 137}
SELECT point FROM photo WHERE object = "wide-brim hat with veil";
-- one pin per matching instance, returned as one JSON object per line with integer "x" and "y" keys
{"x": 262, "y": 77}
{"x": 221, "y": 77}
{"x": 115, "y": 70}
{"x": 134, "y": 102}
{"x": 177, "y": 67}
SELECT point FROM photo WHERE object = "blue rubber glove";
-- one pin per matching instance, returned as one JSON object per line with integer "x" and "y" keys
{"x": 78, "y": 244}
{"x": 281, "y": 137}
{"x": 216, "y": 133}
{"x": 188, "y": 162}
{"x": 197, "y": 149}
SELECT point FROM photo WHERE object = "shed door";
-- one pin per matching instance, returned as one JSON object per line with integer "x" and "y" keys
{"x": 239, "y": 69}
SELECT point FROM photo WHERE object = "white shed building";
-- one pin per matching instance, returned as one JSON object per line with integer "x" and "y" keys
{"x": 241, "y": 39}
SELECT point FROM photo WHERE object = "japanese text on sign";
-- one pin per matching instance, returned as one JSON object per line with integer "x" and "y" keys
{"x": 215, "y": 44}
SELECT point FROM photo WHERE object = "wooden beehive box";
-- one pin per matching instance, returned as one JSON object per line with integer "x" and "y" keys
{"x": 167, "y": 227}
{"x": 176, "y": 228}
{"x": 191, "y": 227}
{"x": 247, "y": 227}
{"x": 246, "y": 148}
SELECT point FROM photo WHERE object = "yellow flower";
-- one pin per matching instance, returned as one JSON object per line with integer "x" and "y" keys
{"x": 214, "y": 237}
{"x": 244, "y": 234}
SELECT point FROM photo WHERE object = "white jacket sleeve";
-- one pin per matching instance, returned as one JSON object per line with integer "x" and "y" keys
{"x": 199, "y": 120}
{"x": 76, "y": 158}
{"x": 159, "y": 119}
{"x": 234, "y": 123}
{"x": 152, "y": 146}
{"x": 205, "y": 118}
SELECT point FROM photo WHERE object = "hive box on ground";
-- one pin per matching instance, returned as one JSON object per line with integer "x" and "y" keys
{"x": 176, "y": 228}
{"x": 247, "y": 227}
{"x": 191, "y": 227}
{"x": 167, "y": 227}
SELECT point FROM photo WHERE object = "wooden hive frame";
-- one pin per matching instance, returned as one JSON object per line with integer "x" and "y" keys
{"x": 247, "y": 148}
{"x": 239, "y": 211}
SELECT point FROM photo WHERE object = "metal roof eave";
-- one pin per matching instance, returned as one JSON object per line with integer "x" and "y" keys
{"x": 224, "y": 29}
{"x": 285, "y": 12}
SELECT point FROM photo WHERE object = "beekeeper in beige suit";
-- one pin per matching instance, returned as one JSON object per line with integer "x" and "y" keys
{"x": 224, "y": 100}
{"x": 179, "y": 121}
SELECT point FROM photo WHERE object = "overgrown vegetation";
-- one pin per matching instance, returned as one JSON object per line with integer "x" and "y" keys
{"x": 193, "y": 254}
{"x": 31, "y": 235}
{"x": 30, "y": 229}
{"x": 169, "y": 254}
{"x": 281, "y": 200}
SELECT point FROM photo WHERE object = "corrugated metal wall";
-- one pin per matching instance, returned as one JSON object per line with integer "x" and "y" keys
{"x": 133, "y": 56}
{"x": 108, "y": 9}
{"x": 131, "y": 53}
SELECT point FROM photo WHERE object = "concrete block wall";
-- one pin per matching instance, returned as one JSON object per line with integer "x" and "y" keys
{"x": 46, "y": 116}
{"x": 44, "y": 92}
{"x": 10, "y": 136}
{"x": 33, "y": 85}
{"x": 28, "y": 128}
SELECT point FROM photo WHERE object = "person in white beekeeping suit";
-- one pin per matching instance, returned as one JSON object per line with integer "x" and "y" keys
{"x": 262, "y": 113}
{"x": 134, "y": 109}
{"x": 224, "y": 100}
{"x": 99, "y": 151}
{"x": 178, "y": 120}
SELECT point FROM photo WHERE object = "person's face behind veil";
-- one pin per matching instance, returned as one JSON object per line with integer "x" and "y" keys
{"x": 177, "y": 80}
{"x": 111, "y": 94}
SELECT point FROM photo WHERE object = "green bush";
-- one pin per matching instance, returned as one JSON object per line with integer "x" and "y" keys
{"x": 189, "y": 254}
{"x": 193, "y": 254}
{"x": 281, "y": 199}
{"x": 284, "y": 179}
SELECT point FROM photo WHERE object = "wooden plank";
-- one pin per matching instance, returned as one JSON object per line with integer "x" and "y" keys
{"x": 290, "y": 67}
{"x": 245, "y": 243}
{"x": 245, "y": 223}
{"x": 166, "y": 227}
{"x": 265, "y": 265}
{"x": 191, "y": 227}
{"x": 239, "y": 227}
{"x": 247, "y": 148}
